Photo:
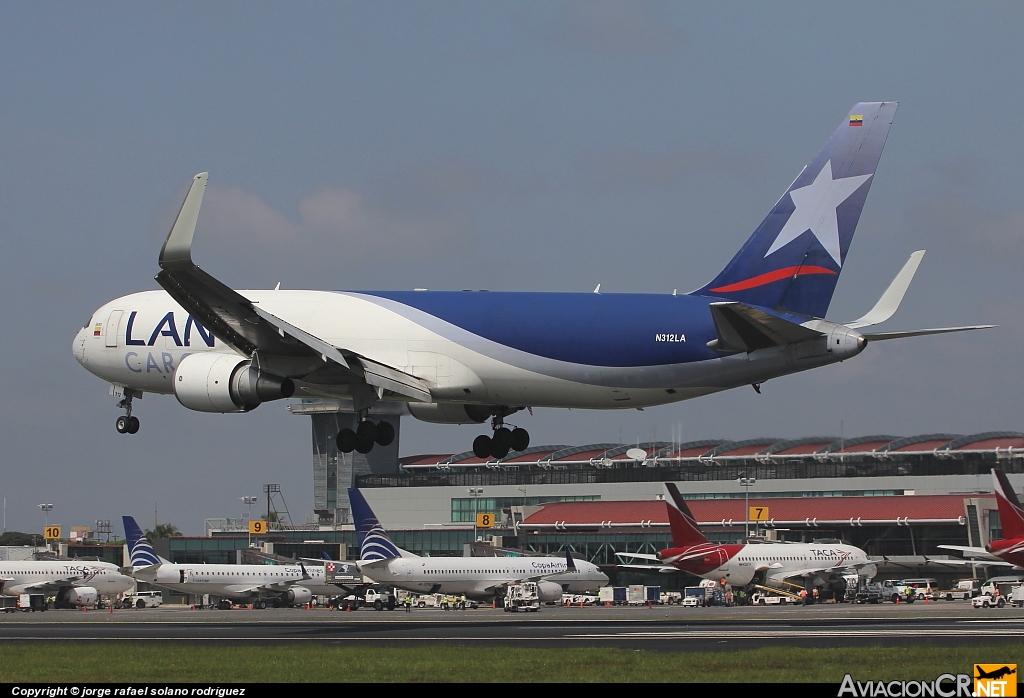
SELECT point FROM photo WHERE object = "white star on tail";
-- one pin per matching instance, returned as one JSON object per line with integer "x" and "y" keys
{"x": 816, "y": 211}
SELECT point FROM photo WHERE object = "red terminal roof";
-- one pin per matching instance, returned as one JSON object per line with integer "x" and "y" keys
{"x": 710, "y": 511}
{"x": 986, "y": 444}
{"x": 745, "y": 450}
{"x": 865, "y": 447}
{"x": 923, "y": 445}
{"x": 803, "y": 449}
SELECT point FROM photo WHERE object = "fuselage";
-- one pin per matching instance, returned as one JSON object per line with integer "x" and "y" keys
{"x": 236, "y": 581}
{"x": 32, "y": 576}
{"x": 1010, "y": 550}
{"x": 481, "y": 577}
{"x": 597, "y": 351}
{"x": 739, "y": 563}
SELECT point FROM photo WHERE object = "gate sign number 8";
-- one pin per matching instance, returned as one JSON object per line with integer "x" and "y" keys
{"x": 484, "y": 520}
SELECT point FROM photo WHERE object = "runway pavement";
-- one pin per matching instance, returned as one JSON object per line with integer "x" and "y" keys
{"x": 662, "y": 628}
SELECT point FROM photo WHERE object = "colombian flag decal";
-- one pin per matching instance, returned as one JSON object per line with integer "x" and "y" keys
{"x": 96, "y": 330}
{"x": 856, "y": 119}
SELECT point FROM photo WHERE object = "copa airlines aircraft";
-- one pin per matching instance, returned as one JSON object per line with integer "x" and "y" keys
{"x": 476, "y": 577}
{"x": 812, "y": 564}
{"x": 73, "y": 583}
{"x": 283, "y": 585}
{"x": 465, "y": 357}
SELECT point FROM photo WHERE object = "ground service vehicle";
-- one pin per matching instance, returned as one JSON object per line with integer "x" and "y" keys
{"x": 760, "y": 598}
{"x": 522, "y": 597}
{"x": 988, "y": 601}
{"x": 144, "y": 599}
{"x": 380, "y": 599}
{"x": 923, "y": 588}
{"x": 964, "y": 590}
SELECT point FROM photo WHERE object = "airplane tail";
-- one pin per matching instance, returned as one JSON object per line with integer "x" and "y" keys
{"x": 685, "y": 530}
{"x": 1011, "y": 513}
{"x": 793, "y": 260}
{"x": 140, "y": 550}
{"x": 374, "y": 543}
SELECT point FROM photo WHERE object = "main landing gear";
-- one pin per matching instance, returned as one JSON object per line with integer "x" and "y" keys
{"x": 503, "y": 441}
{"x": 365, "y": 436}
{"x": 126, "y": 423}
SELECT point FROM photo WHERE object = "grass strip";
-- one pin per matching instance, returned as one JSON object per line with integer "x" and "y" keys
{"x": 171, "y": 662}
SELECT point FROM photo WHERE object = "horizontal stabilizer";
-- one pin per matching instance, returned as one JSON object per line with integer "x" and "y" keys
{"x": 879, "y": 336}
{"x": 743, "y": 328}
{"x": 637, "y": 556}
{"x": 893, "y": 296}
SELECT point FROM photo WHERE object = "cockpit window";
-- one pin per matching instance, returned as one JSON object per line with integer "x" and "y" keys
{"x": 87, "y": 323}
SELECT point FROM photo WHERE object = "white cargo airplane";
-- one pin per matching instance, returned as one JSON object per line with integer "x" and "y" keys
{"x": 282, "y": 585}
{"x": 812, "y": 564}
{"x": 476, "y": 577}
{"x": 463, "y": 358}
{"x": 72, "y": 583}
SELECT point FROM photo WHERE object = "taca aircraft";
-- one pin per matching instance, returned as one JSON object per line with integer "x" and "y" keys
{"x": 72, "y": 583}
{"x": 476, "y": 577}
{"x": 466, "y": 357}
{"x": 813, "y": 564}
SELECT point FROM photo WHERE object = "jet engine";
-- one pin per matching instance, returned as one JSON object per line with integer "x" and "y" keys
{"x": 214, "y": 382}
{"x": 297, "y": 596}
{"x": 449, "y": 412}
{"x": 77, "y": 596}
{"x": 549, "y": 591}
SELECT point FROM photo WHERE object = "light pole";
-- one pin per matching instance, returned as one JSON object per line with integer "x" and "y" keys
{"x": 249, "y": 501}
{"x": 475, "y": 492}
{"x": 746, "y": 483}
{"x": 46, "y": 509}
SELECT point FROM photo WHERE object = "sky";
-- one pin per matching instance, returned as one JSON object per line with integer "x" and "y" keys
{"x": 545, "y": 146}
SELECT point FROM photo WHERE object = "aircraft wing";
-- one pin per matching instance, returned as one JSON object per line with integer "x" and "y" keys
{"x": 968, "y": 551}
{"x": 663, "y": 569}
{"x": 241, "y": 324}
{"x": 743, "y": 328}
{"x": 50, "y": 584}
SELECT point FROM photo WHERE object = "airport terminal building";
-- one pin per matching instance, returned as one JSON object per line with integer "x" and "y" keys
{"x": 898, "y": 498}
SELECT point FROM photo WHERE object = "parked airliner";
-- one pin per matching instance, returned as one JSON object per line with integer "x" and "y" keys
{"x": 1009, "y": 548}
{"x": 72, "y": 583}
{"x": 809, "y": 564}
{"x": 476, "y": 577}
{"x": 466, "y": 357}
{"x": 281, "y": 585}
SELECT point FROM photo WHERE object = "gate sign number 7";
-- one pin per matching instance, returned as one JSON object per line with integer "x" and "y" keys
{"x": 758, "y": 513}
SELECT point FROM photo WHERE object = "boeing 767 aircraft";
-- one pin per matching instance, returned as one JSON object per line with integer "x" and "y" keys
{"x": 466, "y": 357}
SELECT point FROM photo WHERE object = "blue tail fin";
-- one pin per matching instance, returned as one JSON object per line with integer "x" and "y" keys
{"x": 793, "y": 260}
{"x": 141, "y": 552}
{"x": 374, "y": 543}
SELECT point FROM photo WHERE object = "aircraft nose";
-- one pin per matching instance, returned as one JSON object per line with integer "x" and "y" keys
{"x": 78, "y": 346}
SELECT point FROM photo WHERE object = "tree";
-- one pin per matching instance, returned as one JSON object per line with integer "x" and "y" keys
{"x": 163, "y": 531}
{"x": 19, "y": 538}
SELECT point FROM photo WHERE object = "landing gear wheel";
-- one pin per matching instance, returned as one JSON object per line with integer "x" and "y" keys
{"x": 502, "y": 440}
{"x": 499, "y": 450}
{"x": 520, "y": 439}
{"x": 385, "y": 434}
{"x": 346, "y": 441}
{"x": 482, "y": 446}
{"x": 133, "y": 425}
{"x": 366, "y": 433}
{"x": 122, "y": 424}
{"x": 261, "y": 604}
{"x": 363, "y": 446}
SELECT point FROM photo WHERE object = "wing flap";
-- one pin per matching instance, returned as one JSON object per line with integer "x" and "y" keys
{"x": 741, "y": 327}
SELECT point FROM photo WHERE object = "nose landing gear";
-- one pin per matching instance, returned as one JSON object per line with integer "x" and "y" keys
{"x": 503, "y": 441}
{"x": 366, "y": 435}
{"x": 126, "y": 423}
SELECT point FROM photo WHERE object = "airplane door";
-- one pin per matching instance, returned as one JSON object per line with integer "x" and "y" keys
{"x": 110, "y": 330}
{"x": 723, "y": 560}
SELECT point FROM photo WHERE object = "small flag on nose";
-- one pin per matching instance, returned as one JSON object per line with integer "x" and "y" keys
{"x": 96, "y": 331}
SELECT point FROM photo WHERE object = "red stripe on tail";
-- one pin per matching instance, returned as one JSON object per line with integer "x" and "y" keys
{"x": 685, "y": 530}
{"x": 771, "y": 277}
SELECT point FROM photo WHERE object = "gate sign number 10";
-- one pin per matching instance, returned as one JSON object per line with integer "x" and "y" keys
{"x": 51, "y": 532}
{"x": 257, "y": 526}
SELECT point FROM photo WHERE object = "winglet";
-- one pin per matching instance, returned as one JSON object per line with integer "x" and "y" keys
{"x": 177, "y": 250}
{"x": 893, "y": 296}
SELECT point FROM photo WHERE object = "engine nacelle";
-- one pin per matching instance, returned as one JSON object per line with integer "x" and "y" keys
{"x": 214, "y": 382}
{"x": 449, "y": 412}
{"x": 549, "y": 591}
{"x": 79, "y": 596}
{"x": 298, "y": 596}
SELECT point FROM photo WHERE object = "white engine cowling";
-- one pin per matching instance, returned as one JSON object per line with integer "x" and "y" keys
{"x": 549, "y": 591}
{"x": 298, "y": 596}
{"x": 215, "y": 382}
{"x": 449, "y": 412}
{"x": 81, "y": 596}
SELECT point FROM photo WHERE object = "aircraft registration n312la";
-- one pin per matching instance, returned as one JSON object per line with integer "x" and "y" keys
{"x": 466, "y": 357}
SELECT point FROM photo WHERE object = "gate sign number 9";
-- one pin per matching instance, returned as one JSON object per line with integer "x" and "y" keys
{"x": 257, "y": 526}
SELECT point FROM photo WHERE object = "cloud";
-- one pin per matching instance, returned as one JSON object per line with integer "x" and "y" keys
{"x": 617, "y": 28}
{"x": 351, "y": 225}
{"x": 625, "y": 167}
